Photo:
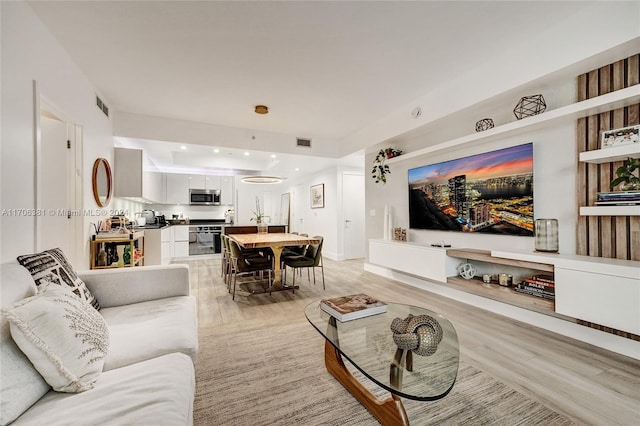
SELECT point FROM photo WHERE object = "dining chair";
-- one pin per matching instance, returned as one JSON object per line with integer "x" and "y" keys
{"x": 241, "y": 265}
{"x": 312, "y": 259}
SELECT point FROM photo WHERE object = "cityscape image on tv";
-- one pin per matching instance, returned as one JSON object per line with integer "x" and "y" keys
{"x": 486, "y": 193}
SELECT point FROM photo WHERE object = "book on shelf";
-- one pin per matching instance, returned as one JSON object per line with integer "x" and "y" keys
{"x": 547, "y": 278}
{"x": 535, "y": 292}
{"x": 630, "y": 193}
{"x": 353, "y": 306}
{"x": 618, "y": 203}
{"x": 530, "y": 283}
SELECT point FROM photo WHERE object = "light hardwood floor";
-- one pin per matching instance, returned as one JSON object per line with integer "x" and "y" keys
{"x": 587, "y": 384}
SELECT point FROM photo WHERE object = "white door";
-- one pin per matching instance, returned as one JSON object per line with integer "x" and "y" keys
{"x": 55, "y": 169}
{"x": 353, "y": 214}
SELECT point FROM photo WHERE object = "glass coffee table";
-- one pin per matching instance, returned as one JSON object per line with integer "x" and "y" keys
{"x": 407, "y": 372}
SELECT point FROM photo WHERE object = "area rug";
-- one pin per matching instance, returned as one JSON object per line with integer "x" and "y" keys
{"x": 275, "y": 375}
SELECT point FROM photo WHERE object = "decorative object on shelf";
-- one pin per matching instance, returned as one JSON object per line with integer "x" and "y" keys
{"x": 484, "y": 124}
{"x": 505, "y": 280}
{"x": 619, "y": 137}
{"x": 380, "y": 169}
{"x": 529, "y": 105}
{"x": 486, "y": 278}
{"x": 625, "y": 176}
{"x": 546, "y": 235}
{"x": 387, "y": 230}
{"x": 467, "y": 271}
{"x": 420, "y": 334}
{"x": 317, "y": 196}
{"x": 399, "y": 234}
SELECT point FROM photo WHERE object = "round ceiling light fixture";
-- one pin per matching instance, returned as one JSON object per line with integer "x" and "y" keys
{"x": 262, "y": 179}
{"x": 261, "y": 109}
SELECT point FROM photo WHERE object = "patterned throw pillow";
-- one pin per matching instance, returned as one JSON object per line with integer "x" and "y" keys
{"x": 53, "y": 266}
{"x": 65, "y": 339}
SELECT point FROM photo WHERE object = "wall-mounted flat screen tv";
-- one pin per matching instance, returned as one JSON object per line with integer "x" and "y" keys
{"x": 489, "y": 193}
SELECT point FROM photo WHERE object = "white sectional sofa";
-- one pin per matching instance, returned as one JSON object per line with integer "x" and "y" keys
{"x": 148, "y": 374}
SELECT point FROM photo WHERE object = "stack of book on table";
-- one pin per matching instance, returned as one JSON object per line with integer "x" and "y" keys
{"x": 538, "y": 285}
{"x": 618, "y": 198}
{"x": 354, "y": 306}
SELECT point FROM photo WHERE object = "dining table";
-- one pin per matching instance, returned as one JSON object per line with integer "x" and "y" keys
{"x": 276, "y": 241}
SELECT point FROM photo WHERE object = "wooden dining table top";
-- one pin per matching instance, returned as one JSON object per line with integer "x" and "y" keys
{"x": 274, "y": 239}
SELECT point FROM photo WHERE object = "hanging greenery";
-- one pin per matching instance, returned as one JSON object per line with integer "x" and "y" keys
{"x": 380, "y": 169}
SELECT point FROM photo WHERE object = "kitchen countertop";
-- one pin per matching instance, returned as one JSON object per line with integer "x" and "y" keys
{"x": 192, "y": 222}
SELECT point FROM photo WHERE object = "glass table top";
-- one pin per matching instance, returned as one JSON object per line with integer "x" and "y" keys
{"x": 369, "y": 345}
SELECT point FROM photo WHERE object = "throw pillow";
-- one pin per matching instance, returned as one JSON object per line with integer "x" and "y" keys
{"x": 52, "y": 265}
{"x": 65, "y": 339}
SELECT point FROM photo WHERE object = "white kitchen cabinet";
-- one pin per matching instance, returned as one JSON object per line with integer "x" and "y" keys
{"x": 212, "y": 182}
{"x": 177, "y": 188}
{"x": 226, "y": 190}
{"x": 181, "y": 241}
{"x": 131, "y": 181}
{"x": 167, "y": 245}
{"x": 197, "y": 182}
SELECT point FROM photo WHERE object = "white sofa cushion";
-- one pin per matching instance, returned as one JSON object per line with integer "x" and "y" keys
{"x": 63, "y": 336}
{"x": 146, "y": 330}
{"x": 52, "y": 266}
{"x": 159, "y": 391}
{"x": 20, "y": 384}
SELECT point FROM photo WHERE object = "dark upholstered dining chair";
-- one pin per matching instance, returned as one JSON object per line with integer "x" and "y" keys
{"x": 312, "y": 258}
{"x": 241, "y": 265}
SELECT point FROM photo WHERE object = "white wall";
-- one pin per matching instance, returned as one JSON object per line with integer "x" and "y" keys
{"x": 29, "y": 52}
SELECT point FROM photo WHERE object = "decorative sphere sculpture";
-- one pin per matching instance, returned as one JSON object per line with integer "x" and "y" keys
{"x": 484, "y": 124}
{"x": 529, "y": 105}
{"x": 467, "y": 271}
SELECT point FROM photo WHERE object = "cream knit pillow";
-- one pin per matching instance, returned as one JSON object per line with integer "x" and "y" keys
{"x": 64, "y": 337}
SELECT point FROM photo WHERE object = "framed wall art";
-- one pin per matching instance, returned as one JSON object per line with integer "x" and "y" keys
{"x": 619, "y": 137}
{"x": 317, "y": 196}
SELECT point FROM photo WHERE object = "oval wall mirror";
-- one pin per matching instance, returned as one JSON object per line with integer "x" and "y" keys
{"x": 102, "y": 182}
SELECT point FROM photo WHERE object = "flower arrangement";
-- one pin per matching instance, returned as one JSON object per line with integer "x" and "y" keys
{"x": 258, "y": 215}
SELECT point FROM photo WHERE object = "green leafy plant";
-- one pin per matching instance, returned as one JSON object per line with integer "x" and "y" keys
{"x": 625, "y": 174}
{"x": 258, "y": 215}
{"x": 380, "y": 170}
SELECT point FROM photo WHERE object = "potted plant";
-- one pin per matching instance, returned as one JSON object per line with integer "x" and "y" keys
{"x": 625, "y": 176}
{"x": 380, "y": 169}
{"x": 258, "y": 216}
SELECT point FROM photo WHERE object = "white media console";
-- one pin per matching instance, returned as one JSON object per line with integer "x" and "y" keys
{"x": 598, "y": 290}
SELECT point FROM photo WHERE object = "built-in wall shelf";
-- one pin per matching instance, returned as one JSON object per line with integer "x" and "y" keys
{"x": 608, "y": 155}
{"x": 610, "y": 211}
{"x": 613, "y": 100}
{"x": 485, "y": 256}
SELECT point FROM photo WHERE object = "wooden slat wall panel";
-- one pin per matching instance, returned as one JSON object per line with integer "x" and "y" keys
{"x": 616, "y": 237}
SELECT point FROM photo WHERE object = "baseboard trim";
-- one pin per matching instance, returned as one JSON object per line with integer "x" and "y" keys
{"x": 611, "y": 342}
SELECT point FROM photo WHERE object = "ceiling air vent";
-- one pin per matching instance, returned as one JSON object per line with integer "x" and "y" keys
{"x": 103, "y": 107}
{"x": 303, "y": 142}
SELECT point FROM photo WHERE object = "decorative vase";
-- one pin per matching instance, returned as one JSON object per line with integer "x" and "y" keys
{"x": 547, "y": 235}
{"x": 630, "y": 186}
{"x": 263, "y": 228}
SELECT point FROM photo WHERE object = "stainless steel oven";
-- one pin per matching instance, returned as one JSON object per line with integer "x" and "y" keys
{"x": 204, "y": 197}
{"x": 204, "y": 239}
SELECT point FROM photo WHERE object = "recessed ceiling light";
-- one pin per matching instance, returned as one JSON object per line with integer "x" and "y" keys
{"x": 183, "y": 147}
{"x": 273, "y": 156}
{"x": 216, "y": 150}
{"x": 246, "y": 153}
{"x": 297, "y": 169}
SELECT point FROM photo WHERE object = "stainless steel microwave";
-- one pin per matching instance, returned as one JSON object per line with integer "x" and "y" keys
{"x": 204, "y": 197}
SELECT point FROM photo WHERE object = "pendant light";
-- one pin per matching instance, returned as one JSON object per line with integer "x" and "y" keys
{"x": 259, "y": 179}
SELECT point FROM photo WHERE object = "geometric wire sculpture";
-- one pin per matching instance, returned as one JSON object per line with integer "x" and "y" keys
{"x": 529, "y": 105}
{"x": 484, "y": 124}
{"x": 467, "y": 271}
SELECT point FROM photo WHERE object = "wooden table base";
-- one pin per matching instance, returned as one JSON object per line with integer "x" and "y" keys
{"x": 389, "y": 411}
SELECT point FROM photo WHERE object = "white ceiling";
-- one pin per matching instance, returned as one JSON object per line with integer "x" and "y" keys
{"x": 325, "y": 69}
